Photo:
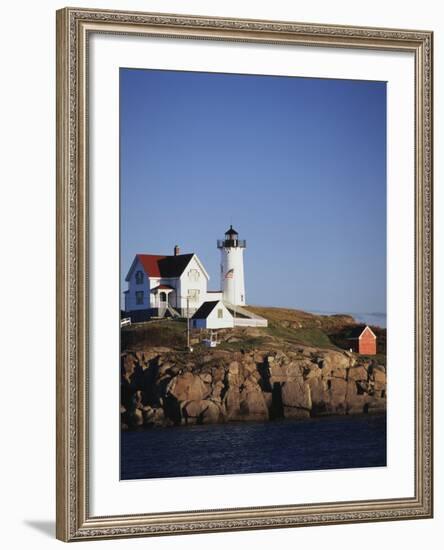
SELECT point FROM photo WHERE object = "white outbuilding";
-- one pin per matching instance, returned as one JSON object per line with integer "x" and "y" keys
{"x": 212, "y": 315}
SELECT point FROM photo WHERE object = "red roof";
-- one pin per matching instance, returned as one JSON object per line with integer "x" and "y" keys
{"x": 164, "y": 266}
{"x": 150, "y": 264}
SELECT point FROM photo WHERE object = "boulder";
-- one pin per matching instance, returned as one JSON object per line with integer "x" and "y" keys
{"x": 359, "y": 372}
{"x": 161, "y": 387}
{"x": 202, "y": 411}
{"x": 232, "y": 403}
{"x": 218, "y": 374}
{"x": 137, "y": 417}
{"x": 233, "y": 368}
{"x": 284, "y": 371}
{"x": 128, "y": 365}
{"x": 258, "y": 357}
{"x": 377, "y": 405}
{"x": 268, "y": 396}
{"x": 166, "y": 368}
{"x": 336, "y": 364}
{"x": 296, "y": 412}
{"x": 354, "y": 401}
{"x": 336, "y": 395}
{"x": 311, "y": 371}
{"x": 188, "y": 387}
{"x": 153, "y": 416}
{"x": 358, "y": 405}
{"x": 252, "y": 402}
{"x": 379, "y": 379}
{"x": 234, "y": 376}
{"x": 216, "y": 392}
{"x": 317, "y": 390}
{"x": 296, "y": 398}
{"x": 213, "y": 414}
{"x": 207, "y": 379}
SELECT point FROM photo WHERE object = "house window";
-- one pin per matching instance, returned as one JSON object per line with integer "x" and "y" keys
{"x": 193, "y": 294}
{"x": 139, "y": 297}
{"x": 194, "y": 275}
{"x": 139, "y": 277}
{"x": 242, "y": 297}
{"x": 220, "y": 313}
{"x": 163, "y": 297}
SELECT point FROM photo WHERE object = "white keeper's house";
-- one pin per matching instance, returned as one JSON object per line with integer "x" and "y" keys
{"x": 177, "y": 286}
{"x": 159, "y": 284}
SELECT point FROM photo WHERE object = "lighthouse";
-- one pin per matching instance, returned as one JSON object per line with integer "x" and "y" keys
{"x": 232, "y": 267}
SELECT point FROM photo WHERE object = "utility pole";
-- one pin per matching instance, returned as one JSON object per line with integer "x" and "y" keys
{"x": 188, "y": 322}
{"x": 187, "y": 297}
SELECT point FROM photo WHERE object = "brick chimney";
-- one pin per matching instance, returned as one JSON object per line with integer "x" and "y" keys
{"x": 176, "y": 250}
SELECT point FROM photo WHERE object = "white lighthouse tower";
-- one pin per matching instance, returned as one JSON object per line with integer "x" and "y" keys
{"x": 232, "y": 268}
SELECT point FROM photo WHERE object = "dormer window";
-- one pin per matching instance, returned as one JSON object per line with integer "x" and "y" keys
{"x": 139, "y": 277}
{"x": 193, "y": 275}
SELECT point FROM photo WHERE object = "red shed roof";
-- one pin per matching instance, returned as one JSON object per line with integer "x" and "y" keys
{"x": 357, "y": 331}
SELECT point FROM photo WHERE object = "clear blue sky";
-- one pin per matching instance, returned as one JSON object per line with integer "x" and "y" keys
{"x": 297, "y": 165}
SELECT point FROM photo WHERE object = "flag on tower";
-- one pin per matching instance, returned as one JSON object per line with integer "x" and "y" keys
{"x": 229, "y": 274}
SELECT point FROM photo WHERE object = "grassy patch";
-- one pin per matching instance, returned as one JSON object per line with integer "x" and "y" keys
{"x": 165, "y": 333}
{"x": 314, "y": 337}
{"x": 286, "y": 328}
{"x": 305, "y": 336}
{"x": 296, "y": 318}
{"x": 246, "y": 344}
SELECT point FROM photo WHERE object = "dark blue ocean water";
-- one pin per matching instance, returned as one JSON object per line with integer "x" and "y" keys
{"x": 236, "y": 448}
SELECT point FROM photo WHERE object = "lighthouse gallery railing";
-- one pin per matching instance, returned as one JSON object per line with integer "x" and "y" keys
{"x": 235, "y": 243}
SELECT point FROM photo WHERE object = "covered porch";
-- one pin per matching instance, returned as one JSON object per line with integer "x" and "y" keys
{"x": 162, "y": 299}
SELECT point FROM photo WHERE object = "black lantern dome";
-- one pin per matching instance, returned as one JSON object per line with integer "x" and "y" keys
{"x": 231, "y": 240}
{"x": 231, "y": 233}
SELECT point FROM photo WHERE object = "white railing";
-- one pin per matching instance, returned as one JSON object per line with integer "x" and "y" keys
{"x": 174, "y": 312}
{"x": 247, "y": 318}
{"x": 251, "y": 322}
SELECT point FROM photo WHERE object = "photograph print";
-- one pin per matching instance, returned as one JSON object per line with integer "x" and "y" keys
{"x": 252, "y": 274}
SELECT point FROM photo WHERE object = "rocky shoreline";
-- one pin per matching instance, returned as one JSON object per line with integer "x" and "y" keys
{"x": 162, "y": 387}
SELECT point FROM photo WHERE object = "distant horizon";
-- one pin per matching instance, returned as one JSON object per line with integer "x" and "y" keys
{"x": 297, "y": 165}
{"x": 359, "y": 316}
{"x": 322, "y": 311}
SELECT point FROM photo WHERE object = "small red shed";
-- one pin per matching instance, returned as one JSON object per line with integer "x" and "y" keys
{"x": 363, "y": 340}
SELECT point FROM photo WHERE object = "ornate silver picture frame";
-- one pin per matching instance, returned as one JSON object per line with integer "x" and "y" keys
{"x": 74, "y": 210}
